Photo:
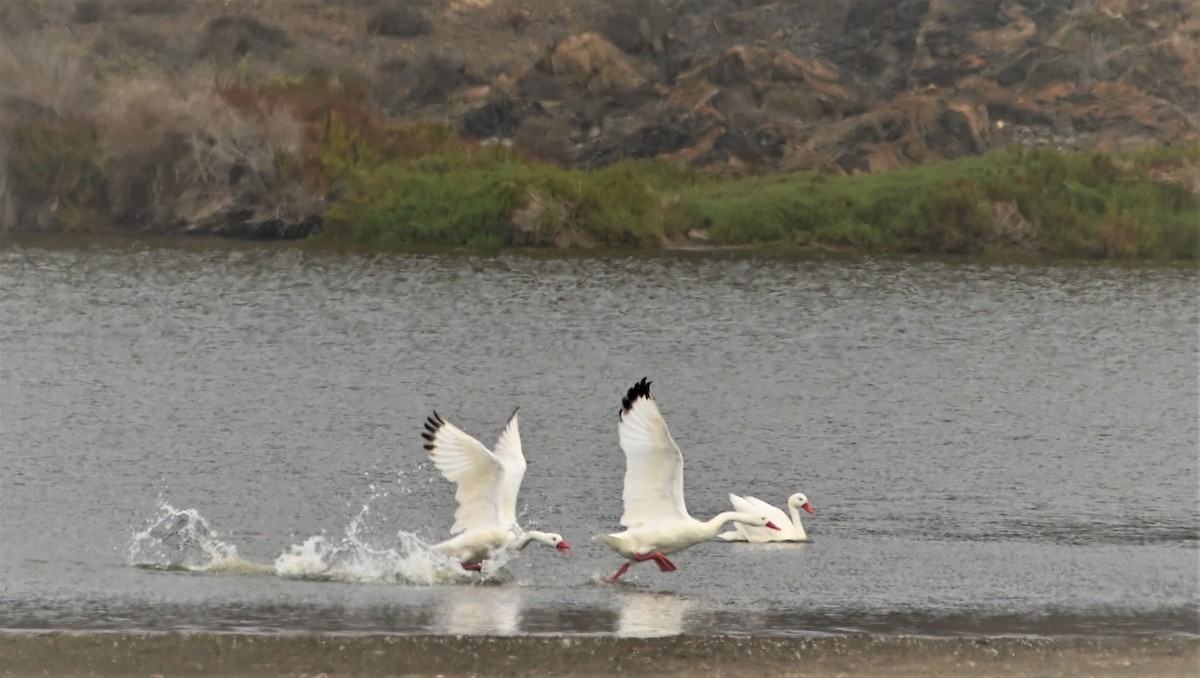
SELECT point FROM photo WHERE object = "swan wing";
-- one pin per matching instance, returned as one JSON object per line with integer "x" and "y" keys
{"x": 653, "y": 463}
{"x": 756, "y": 505}
{"x": 774, "y": 514}
{"x": 508, "y": 451}
{"x": 477, "y": 472}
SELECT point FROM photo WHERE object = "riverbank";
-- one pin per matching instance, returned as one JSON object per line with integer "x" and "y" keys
{"x": 185, "y": 654}
{"x": 1140, "y": 205}
{"x": 420, "y": 186}
{"x": 915, "y": 128}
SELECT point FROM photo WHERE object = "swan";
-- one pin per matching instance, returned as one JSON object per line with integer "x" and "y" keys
{"x": 792, "y": 530}
{"x": 655, "y": 515}
{"x": 488, "y": 482}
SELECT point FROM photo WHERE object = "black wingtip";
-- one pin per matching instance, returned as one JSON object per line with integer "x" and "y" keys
{"x": 432, "y": 424}
{"x": 513, "y": 415}
{"x": 638, "y": 390}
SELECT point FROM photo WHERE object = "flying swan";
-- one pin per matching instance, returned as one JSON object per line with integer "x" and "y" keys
{"x": 655, "y": 515}
{"x": 486, "y": 520}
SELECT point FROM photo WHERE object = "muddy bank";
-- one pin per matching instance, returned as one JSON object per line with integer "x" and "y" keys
{"x": 62, "y": 654}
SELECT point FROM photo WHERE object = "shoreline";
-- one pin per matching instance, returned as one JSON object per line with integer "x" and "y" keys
{"x": 146, "y": 241}
{"x": 205, "y": 654}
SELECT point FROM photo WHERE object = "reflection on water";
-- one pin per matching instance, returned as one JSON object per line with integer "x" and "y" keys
{"x": 479, "y": 610}
{"x": 645, "y": 615}
{"x": 515, "y": 610}
{"x": 512, "y": 609}
{"x": 795, "y": 547}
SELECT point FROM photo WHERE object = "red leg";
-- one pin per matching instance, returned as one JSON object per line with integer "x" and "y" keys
{"x": 621, "y": 571}
{"x": 664, "y": 563}
{"x": 473, "y": 567}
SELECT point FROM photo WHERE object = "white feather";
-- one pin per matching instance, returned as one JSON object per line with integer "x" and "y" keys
{"x": 656, "y": 519}
{"x": 790, "y": 527}
{"x": 653, "y": 467}
{"x": 465, "y": 462}
{"x": 508, "y": 451}
{"x": 487, "y": 487}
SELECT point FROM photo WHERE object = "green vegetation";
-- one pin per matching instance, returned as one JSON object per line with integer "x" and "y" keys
{"x": 59, "y": 164}
{"x": 1065, "y": 204}
{"x": 392, "y": 185}
{"x": 488, "y": 196}
{"x": 1068, "y": 204}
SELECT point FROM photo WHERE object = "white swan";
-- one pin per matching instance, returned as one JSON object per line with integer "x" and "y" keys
{"x": 655, "y": 514}
{"x": 790, "y": 530}
{"x": 488, "y": 483}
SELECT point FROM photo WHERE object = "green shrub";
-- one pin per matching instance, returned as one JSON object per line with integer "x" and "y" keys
{"x": 468, "y": 196}
{"x": 59, "y": 163}
{"x": 1079, "y": 204}
{"x": 423, "y": 185}
{"x": 396, "y": 205}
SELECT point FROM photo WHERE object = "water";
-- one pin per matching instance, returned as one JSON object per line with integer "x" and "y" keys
{"x": 226, "y": 437}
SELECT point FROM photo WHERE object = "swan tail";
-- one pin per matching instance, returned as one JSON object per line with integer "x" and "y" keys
{"x": 610, "y": 540}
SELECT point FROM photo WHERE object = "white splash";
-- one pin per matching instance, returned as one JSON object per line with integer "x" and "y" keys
{"x": 181, "y": 539}
{"x": 353, "y": 559}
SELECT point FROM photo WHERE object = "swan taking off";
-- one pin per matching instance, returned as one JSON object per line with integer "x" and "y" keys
{"x": 655, "y": 514}
{"x": 488, "y": 483}
{"x": 790, "y": 529}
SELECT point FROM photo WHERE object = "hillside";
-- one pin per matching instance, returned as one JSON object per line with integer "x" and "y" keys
{"x": 739, "y": 88}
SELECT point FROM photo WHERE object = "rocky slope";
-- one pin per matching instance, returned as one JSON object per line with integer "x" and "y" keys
{"x": 740, "y": 86}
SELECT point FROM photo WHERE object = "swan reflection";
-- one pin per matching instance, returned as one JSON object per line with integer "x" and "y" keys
{"x": 479, "y": 610}
{"x": 646, "y": 615}
{"x": 792, "y": 546}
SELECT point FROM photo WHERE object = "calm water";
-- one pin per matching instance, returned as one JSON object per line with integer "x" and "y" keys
{"x": 226, "y": 437}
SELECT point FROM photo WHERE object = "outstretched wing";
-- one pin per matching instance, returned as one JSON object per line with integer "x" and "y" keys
{"x": 653, "y": 462}
{"x": 508, "y": 450}
{"x": 477, "y": 472}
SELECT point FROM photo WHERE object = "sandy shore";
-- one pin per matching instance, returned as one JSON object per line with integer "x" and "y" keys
{"x": 124, "y": 654}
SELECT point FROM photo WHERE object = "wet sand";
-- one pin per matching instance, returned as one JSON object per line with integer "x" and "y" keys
{"x": 127, "y": 654}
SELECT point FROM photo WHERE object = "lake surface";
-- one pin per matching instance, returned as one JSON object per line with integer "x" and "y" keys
{"x": 215, "y": 436}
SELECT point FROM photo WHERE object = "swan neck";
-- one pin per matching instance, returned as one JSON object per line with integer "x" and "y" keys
{"x": 718, "y": 521}
{"x": 797, "y": 526}
{"x": 530, "y": 536}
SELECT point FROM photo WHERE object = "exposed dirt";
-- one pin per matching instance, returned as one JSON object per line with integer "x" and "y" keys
{"x": 61, "y": 654}
{"x": 742, "y": 86}
{"x": 733, "y": 86}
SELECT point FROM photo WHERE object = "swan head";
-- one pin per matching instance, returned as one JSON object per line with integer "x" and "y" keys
{"x": 548, "y": 538}
{"x": 799, "y": 501}
{"x": 556, "y": 540}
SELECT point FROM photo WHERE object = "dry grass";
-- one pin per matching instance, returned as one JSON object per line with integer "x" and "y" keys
{"x": 39, "y": 79}
{"x": 177, "y": 154}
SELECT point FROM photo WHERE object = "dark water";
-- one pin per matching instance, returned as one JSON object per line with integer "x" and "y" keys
{"x": 222, "y": 437}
